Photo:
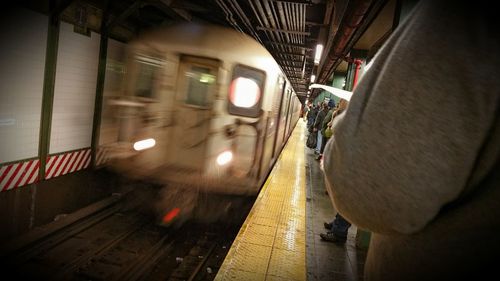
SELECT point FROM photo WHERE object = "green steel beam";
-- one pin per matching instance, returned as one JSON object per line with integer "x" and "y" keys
{"x": 101, "y": 75}
{"x": 48, "y": 91}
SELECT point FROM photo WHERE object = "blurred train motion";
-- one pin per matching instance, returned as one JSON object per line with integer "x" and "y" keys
{"x": 204, "y": 108}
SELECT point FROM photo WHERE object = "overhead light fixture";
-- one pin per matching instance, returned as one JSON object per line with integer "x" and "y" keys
{"x": 317, "y": 56}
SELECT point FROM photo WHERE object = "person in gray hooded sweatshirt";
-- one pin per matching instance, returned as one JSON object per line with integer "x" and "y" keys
{"x": 415, "y": 158}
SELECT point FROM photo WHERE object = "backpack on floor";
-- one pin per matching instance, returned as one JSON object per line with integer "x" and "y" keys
{"x": 312, "y": 139}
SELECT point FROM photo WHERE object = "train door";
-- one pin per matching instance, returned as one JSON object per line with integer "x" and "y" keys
{"x": 291, "y": 114}
{"x": 277, "y": 110}
{"x": 195, "y": 93}
{"x": 281, "y": 120}
{"x": 287, "y": 114}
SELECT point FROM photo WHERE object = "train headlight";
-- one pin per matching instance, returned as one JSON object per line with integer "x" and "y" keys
{"x": 144, "y": 144}
{"x": 244, "y": 92}
{"x": 224, "y": 158}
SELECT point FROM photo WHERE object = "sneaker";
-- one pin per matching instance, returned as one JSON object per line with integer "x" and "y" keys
{"x": 328, "y": 225}
{"x": 330, "y": 237}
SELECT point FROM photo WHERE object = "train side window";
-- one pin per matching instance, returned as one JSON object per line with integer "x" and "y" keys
{"x": 246, "y": 91}
{"x": 148, "y": 71}
{"x": 199, "y": 81}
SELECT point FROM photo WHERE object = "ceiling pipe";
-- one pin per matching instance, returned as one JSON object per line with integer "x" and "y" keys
{"x": 355, "y": 21}
{"x": 356, "y": 11}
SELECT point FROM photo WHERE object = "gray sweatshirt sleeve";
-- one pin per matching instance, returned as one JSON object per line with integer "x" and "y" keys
{"x": 410, "y": 138}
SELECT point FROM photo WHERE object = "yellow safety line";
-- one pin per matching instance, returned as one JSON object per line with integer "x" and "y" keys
{"x": 271, "y": 242}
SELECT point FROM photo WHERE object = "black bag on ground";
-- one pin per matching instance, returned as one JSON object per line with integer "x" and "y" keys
{"x": 312, "y": 139}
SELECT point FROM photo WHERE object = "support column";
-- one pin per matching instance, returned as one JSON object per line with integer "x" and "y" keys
{"x": 357, "y": 58}
{"x": 350, "y": 76}
{"x": 101, "y": 75}
{"x": 338, "y": 82}
{"x": 48, "y": 90}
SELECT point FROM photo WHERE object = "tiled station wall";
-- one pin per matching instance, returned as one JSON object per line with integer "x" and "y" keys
{"x": 22, "y": 57}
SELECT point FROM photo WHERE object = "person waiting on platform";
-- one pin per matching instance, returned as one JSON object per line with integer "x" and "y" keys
{"x": 311, "y": 115}
{"x": 323, "y": 110}
{"x": 305, "y": 110}
{"x": 416, "y": 156}
{"x": 327, "y": 123}
{"x": 337, "y": 230}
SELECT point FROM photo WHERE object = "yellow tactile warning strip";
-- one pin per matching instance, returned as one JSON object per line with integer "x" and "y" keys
{"x": 271, "y": 243}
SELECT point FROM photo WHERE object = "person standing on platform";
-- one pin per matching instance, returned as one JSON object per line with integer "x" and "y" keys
{"x": 327, "y": 122}
{"x": 305, "y": 112}
{"x": 317, "y": 125}
{"x": 415, "y": 158}
{"x": 337, "y": 230}
{"x": 330, "y": 108}
{"x": 311, "y": 115}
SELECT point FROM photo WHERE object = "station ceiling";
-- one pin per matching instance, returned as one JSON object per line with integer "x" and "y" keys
{"x": 289, "y": 29}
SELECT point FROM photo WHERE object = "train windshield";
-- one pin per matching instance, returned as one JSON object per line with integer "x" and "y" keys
{"x": 148, "y": 72}
{"x": 245, "y": 91}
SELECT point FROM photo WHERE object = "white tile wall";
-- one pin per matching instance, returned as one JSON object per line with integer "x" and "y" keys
{"x": 23, "y": 40}
{"x": 74, "y": 93}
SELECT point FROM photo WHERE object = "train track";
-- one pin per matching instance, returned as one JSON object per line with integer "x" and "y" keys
{"x": 117, "y": 243}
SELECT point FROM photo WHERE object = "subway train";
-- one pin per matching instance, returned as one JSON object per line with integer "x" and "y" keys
{"x": 203, "y": 108}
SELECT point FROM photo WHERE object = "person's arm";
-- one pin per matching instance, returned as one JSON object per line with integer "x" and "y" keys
{"x": 327, "y": 119}
{"x": 334, "y": 114}
{"x": 410, "y": 138}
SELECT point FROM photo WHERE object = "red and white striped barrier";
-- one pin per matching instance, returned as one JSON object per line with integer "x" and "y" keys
{"x": 19, "y": 174}
{"x": 61, "y": 164}
{"x": 26, "y": 172}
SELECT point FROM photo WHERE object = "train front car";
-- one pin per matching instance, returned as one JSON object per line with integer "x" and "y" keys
{"x": 200, "y": 110}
